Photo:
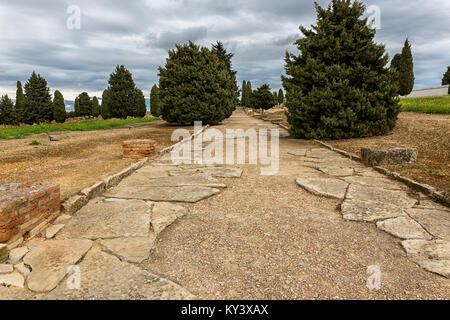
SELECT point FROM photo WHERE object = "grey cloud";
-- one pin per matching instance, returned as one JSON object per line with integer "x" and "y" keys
{"x": 168, "y": 39}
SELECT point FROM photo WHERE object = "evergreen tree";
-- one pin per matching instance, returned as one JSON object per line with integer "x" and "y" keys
{"x": 84, "y": 105}
{"x": 7, "y": 112}
{"x": 95, "y": 107}
{"x": 59, "y": 107}
{"x": 275, "y": 96}
{"x": 122, "y": 93}
{"x": 195, "y": 85}
{"x": 20, "y": 103}
{"x": 262, "y": 98}
{"x": 406, "y": 70}
{"x": 280, "y": 96}
{"x": 141, "y": 107}
{"x": 243, "y": 91}
{"x": 38, "y": 105}
{"x": 338, "y": 86}
{"x": 76, "y": 107}
{"x": 395, "y": 63}
{"x": 104, "y": 110}
{"x": 446, "y": 77}
{"x": 155, "y": 103}
{"x": 249, "y": 92}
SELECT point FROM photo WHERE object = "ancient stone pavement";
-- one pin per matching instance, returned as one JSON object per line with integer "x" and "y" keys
{"x": 308, "y": 232}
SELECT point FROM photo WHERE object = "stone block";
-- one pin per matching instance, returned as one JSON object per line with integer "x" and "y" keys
{"x": 388, "y": 155}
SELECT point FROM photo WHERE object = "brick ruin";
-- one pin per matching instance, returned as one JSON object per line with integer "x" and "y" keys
{"x": 142, "y": 148}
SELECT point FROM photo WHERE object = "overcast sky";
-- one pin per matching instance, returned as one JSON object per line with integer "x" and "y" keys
{"x": 34, "y": 36}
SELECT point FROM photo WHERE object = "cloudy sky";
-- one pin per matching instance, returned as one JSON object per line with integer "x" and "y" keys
{"x": 34, "y": 36}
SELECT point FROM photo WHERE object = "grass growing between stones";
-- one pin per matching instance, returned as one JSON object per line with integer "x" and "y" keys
{"x": 16, "y": 132}
{"x": 438, "y": 104}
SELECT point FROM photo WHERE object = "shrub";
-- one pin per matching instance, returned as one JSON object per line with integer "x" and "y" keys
{"x": 35, "y": 143}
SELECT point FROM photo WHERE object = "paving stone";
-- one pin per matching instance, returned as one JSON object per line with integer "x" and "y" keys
{"x": 164, "y": 214}
{"x": 430, "y": 204}
{"x": 62, "y": 219}
{"x": 132, "y": 249}
{"x": 49, "y": 262}
{"x": 105, "y": 277}
{"x": 173, "y": 194}
{"x": 198, "y": 179}
{"x": 17, "y": 254}
{"x": 395, "y": 197}
{"x": 436, "y": 222}
{"x": 53, "y": 230}
{"x": 332, "y": 188}
{"x": 106, "y": 220}
{"x": 22, "y": 268}
{"x": 6, "y": 268}
{"x": 322, "y": 154}
{"x": 336, "y": 171}
{"x": 369, "y": 211}
{"x": 433, "y": 256}
{"x": 404, "y": 228}
{"x": 217, "y": 172}
{"x": 298, "y": 153}
{"x": 12, "y": 279}
{"x": 156, "y": 171}
{"x": 14, "y": 294}
{"x": 379, "y": 182}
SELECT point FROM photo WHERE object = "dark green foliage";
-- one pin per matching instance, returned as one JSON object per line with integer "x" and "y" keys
{"x": 122, "y": 93}
{"x": 275, "y": 96}
{"x": 76, "y": 107}
{"x": 406, "y": 70}
{"x": 247, "y": 94}
{"x": 446, "y": 77}
{"x": 7, "y": 112}
{"x": 104, "y": 110}
{"x": 38, "y": 105}
{"x": 84, "y": 105}
{"x": 395, "y": 63}
{"x": 338, "y": 87}
{"x": 20, "y": 102}
{"x": 141, "y": 107}
{"x": 95, "y": 107}
{"x": 155, "y": 102}
{"x": 262, "y": 98}
{"x": 280, "y": 96}
{"x": 195, "y": 85}
{"x": 59, "y": 108}
{"x": 243, "y": 88}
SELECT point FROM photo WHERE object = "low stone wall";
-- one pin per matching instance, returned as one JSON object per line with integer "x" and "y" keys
{"x": 25, "y": 210}
{"x": 139, "y": 148}
{"x": 428, "y": 92}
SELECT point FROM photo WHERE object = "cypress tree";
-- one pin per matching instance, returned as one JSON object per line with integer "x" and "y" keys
{"x": 155, "y": 103}
{"x": 20, "y": 103}
{"x": 406, "y": 70}
{"x": 38, "y": 105}
{"x": 95, "y": 107}
{"x": 59, "y": 107}
{"x": 249, "y": 94}
{"x": 338, "y": 86}
{"x": 104, "y": 110}
{"x": 280, "y": 96}
{"x": 446, "y": 77}
{"x": 262, "y": 98}
{"x": 195, "y": 86}
{"x": 243, "y": 88}
{"x": 84, "y": 105}
{"x": 395, "y": 63}
{"x": 7, "y": 112}
{"x": 141, "y": 107}
{"x": 275, "y": 96}
{"x": 76, "y": 107}
{"x": 122, "y": 93}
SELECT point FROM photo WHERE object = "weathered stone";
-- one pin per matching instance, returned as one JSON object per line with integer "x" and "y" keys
{"x": 132, "y": 249}
{"x": 95, "y": 190}
{"x": 6, "y": 268}
{"x": 16, "y": 243}
{"x": 105, "y": 277}
{"x": 436, "y": 222}
{"x": 430, "y": 204}
{"x": 164, "y": 214}
{"x": 217, "y": 172}
{"x": 173, "y": 194}
{"x": 322, "y": 153}
{"x": 395, "y": 197}
{"x": 433, "y": 256}
{"x": 53, "y": 137}
{"x": 404, "y": 228}
{"x": 17, "y": 254}
{"x": 298, "y": 153}
{"x": 154, "y": 172}
{"x": 379, "y": 182}
{"x": 3, "y": 253}
{"x": 62, "y": 219}
{"x": 22, "y": 268}
{"x": 332, "y": 188}
{"x": 336, "y": 171}
{"x": 53, "y": 230}
{"x": 103, "y": 220}
{"x": 199, "y": 179}
{"x": 388, "y": 155}
{"x": 74, "y": 204}
{"x": 49, "y": 262}
{"x": 12, "y": 279}
{"x": 369, "y": 211}
{"x": 115, "y": 179}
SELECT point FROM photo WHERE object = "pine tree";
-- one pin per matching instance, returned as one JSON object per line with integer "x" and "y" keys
{"x": 406, "y": 70}
{"x": 7, "y": 111}
{"x": 95, "y": 107}
{"x": 38, "y": 105}
{"x": 338, "y": 86}
{"x": 59, "y": 107}
{"x": 104, "y": 110}
{"x": 141, "y": 107}
{"x": 446, "y": 77}
{"x": 262, "y": 98}
{"x": 280, "y": 96}
{"x": 20, "y": 103}
{"x": 195, "y": 86}
{"x": 122, "y": 93}
{"x": 84, "y": 105}
{"x": 155, "y": 103}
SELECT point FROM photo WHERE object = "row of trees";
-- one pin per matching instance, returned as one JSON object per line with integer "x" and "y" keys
{"x": 248, "y": 97}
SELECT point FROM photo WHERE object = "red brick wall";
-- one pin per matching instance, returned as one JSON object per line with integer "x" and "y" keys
{"x": 139, "y": 149}
{"x": 23, "y": 207}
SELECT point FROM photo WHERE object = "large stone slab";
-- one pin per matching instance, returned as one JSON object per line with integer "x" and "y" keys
{"x": 105, "y": 277}
{"x": 198, "y": 179}
{"x": 172, "y": 194}
{"x": 336, "y": 171}
{"x": 378, "y": 182}
{"x": 164, "y": 214}
{"x": 106, "y": 220}
{"x": 332, "y": 188}
{"x": 388, "y": 155}
{"x": 433, "y": 256}
{"x": 365, "y": 193}
{"x": 298, "y": 153}
{"x": 133, "y": 249}
{"x": 321, "y": 153}
{"x": 436, "y": 222}
{"x": 12, "y": 279}
{"x": 49, "y": 262}
{"x": 369, "y": 211}
{"x": 217, "y": 172}
{"x": 404, "y": 228}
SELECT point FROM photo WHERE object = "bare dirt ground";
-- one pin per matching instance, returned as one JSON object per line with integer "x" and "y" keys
{"x": 79, "y": 159}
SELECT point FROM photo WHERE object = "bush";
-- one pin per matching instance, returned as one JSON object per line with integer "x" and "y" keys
{"x": 338, "y": 87}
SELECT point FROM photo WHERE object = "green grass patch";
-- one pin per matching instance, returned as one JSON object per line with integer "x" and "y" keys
{"x": 438, "y": 104}
{"x": 35, "y": 143}
{"x": 88, "y": 125}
